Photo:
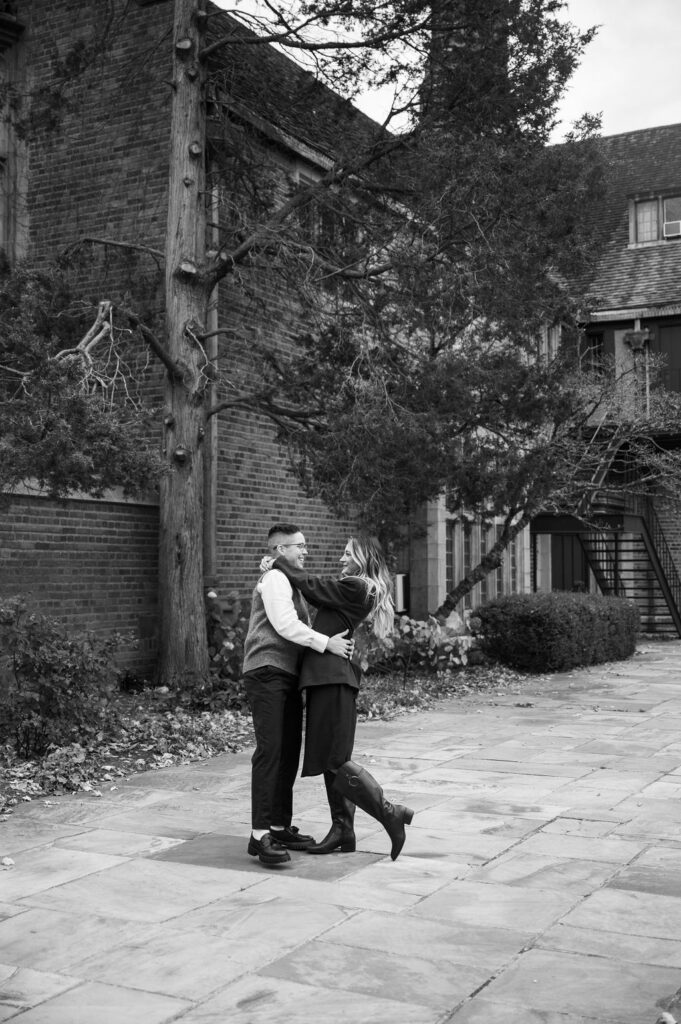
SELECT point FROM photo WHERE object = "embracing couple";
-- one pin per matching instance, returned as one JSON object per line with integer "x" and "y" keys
{"x": 284, "y": 656}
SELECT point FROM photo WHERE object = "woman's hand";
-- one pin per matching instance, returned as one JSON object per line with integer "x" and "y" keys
{"x": 340, "y": 645}
{"x": 266, "y": 563}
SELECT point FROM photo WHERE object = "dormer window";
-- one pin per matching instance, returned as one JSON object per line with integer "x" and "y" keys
{"x": 655, "y": 220}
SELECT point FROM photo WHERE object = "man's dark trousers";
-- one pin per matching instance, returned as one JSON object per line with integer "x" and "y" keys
{"x": 277, "y": 710}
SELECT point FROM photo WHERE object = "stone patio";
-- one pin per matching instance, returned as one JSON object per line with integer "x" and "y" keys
{"x": 540, "y": 882}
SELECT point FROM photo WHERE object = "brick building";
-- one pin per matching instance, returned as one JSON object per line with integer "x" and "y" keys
{"x": 103, "y": 173}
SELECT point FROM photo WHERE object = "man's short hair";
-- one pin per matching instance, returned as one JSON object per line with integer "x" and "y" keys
{"x": 287, "y": 529}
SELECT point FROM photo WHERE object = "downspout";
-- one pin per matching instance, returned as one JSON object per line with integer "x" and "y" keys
{"x": 210, "y": 579}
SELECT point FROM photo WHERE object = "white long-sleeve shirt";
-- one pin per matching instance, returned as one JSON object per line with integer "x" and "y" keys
{"x": 277, "y": 597}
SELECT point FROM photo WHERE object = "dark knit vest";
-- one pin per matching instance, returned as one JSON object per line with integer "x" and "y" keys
{"x": 264, "y": 646}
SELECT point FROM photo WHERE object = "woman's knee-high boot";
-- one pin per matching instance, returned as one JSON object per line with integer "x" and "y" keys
{"x": 341, "y": 835}
{"x": 356, "y": 784}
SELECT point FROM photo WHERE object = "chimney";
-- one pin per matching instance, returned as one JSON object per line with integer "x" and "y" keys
{"x": 467, "y": 80}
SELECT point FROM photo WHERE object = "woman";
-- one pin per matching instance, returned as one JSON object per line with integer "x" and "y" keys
{"x": 362, "y": 593}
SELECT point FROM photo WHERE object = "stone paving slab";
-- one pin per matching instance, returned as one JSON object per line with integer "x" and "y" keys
{"x": 540, "y": 882}
{"x": 46, "y": 939}
{"x": 470, "y": 904}
{"x": 42, "y": 869}
{"x": 442, "y": 942}
{"x": 22, "y": 988}
{"x": 376, "y": 973}
{"x": 105, "y": 1004}
{"x": 349, "y": 894}
{"x": 141, "y": 890}
{"x": 258, "y": 1000}
{"x": 483, "y": 1011}
{"x": 593, "y": 987}
{"x": 579, "y": 877}
{"x": 628, "y": 913}
{"x": 624, "y": 948}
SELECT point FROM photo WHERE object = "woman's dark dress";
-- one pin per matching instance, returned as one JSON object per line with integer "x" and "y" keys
{"x": 331, "y": 683}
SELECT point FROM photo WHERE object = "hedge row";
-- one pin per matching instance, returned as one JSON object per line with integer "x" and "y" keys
{"x": 558, "y": 631}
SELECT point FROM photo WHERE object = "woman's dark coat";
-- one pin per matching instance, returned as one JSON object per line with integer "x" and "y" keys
{"x": 342, "y": 604}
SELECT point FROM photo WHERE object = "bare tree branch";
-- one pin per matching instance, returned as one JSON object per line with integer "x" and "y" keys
{"x": 290, "y": 39}
{"x": 156, "y": 346}
{"x": 134, "y": 246}
{"x": 100, "y": 329}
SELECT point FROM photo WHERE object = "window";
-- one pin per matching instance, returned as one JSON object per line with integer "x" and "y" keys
{"x": 484, "y": 582}
{"x": 467, "y": 543}
{"x": 467, "y": 559}
{"x": 327, "y": 219}
{"x": 655, "y": 220}
{"x": 591, "y": 352}
{"x": 499, "y": 574}
{"x": 646, "y": 221}
{"x": 672, "y": 217}
{"x": 513, "y": 563}
{"x": 330, "y": 230}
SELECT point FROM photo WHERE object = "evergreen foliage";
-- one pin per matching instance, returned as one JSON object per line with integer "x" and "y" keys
{"x": 69, "y": 420}
{"x": 554, "y": 632}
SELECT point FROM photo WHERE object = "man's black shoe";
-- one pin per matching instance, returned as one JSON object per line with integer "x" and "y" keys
{"x": 292, "y": 838}
{"x": 267, "y": 850}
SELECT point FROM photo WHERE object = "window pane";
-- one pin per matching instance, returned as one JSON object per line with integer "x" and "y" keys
{"x": 646, "y": 221}
{"x": 484, "y": 582}
{"x": 672, "y": 208}
{"x": 467, "y": 560}
{"x": 514, "y": 565}
{"x": 450, "y": 557}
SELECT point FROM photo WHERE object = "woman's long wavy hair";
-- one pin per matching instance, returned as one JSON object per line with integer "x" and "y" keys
{"x": 367, "y": 553}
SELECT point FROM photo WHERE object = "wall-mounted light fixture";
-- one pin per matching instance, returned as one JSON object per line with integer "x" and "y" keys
{"x": 637, "y": 340}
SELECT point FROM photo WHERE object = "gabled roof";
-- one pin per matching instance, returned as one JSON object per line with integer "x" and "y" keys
{"x": 638, "y": 165}
{"x": 266, "y": 87}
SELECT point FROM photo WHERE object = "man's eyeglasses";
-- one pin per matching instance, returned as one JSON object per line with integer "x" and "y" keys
{"x": 301, "y": 547}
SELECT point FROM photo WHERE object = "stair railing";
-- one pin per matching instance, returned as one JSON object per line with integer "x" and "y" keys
{"x": 661, "y": 558}
{"x": 600, "y": 548}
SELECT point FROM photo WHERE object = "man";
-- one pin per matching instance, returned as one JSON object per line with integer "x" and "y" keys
{"x": 278, "y": 632}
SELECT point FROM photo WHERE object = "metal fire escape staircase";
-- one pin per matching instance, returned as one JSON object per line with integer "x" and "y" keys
{"x": 628, "y": 553}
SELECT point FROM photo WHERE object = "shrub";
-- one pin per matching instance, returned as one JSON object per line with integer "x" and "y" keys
{"x": 56, "y": 687}
{"x": 227, "y": 657}
{"x": 227, "y": 628}
{"x": 415, "y": 646}
{"x": 557, "y": 631}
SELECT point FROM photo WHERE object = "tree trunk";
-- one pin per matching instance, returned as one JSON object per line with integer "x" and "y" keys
{"x": 488, "y": 563}
{"x": 183, "y": 655}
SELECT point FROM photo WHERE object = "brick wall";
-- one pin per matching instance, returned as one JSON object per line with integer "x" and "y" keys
{"x": 256, "y": 486}
{"x": 103, "y": 173}
{"x": 103, "y": 170}
{"x": 90, "y": 564}
{"x": 256, "y": 489}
